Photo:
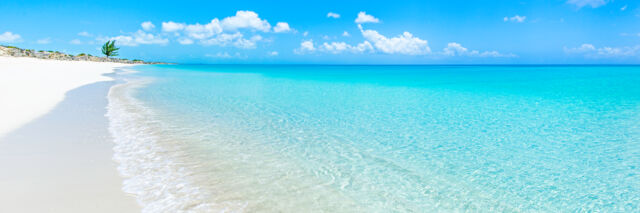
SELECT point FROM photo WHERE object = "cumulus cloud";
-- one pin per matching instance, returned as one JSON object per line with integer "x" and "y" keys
{"x": 333, "y": 15}
{"x": 247, "y": 43}
{"x": 137, "y": 38}
{"x": 366, "y": 18}
{"x": 75, "y": 41}
{"x": 589, "y": 50}
{"x": 219, "y": 55}
{"x": 226, "y": 55}
{"x": 273, "y": 53}
{"x": 340, "y": 47}
{"x": 305, "y": 47}
{"x": 245, "y": 19}
{"x": 199, "y": 31}
{"x": 171, "y": 26}
{"x": 405, "y": 44}
{"x": 236, "y": 39}
{"x": 229, "y": 31}
{"x": 592, "y": 3}
{"x": 85, "y": 34}
{"x": 583, "y": 48}
{"x": 623, "y": 8}
{"x": 185, "y": 41}
{"x": 147, "y": 25}
{"x": 334, "y": 47}
{"x": 456, "y": 49}
{"x": 10, "y": 37}
{"x": 281, "y": 27}
{"x": 516, "y": 18}
{"x": 44, "y": 41}
{"x": 345, "y": 34}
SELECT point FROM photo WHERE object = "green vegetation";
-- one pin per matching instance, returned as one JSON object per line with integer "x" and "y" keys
{"x": 110, "y": 49}
{"x": 82, "y": 54}
{"x": 12, "y": 47}
{"x": 137, "y": 60}
{"x": 40, "y": 51}
{"x": 50, "y": 51}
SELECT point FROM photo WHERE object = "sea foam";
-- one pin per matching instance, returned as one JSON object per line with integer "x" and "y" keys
{"x": 159, "y": 182}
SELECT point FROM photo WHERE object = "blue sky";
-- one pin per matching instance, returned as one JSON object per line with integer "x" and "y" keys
{"x": 336, "y": 32}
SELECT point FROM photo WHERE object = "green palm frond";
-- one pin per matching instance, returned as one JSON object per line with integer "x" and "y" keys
{"x": 109, "y": 49}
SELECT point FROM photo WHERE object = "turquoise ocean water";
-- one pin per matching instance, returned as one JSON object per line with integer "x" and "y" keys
{"x": 303, "y": 138}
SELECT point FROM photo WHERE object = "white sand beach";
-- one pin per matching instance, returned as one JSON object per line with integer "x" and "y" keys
{"x": 55, "y": 149}
{"x": 31, "y": 87}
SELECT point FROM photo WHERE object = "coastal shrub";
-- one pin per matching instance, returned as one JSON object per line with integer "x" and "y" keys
{"x": 82, "y": 54}
{"x": 40, "y": 51}
{"x": 12, "y": 47}
{"x": 50, "y": 51}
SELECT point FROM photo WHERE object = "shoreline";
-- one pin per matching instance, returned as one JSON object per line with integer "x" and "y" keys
{"x": 56, "y": 153}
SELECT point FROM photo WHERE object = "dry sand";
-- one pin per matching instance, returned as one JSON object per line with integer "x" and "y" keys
{"x": 55, "y": 148}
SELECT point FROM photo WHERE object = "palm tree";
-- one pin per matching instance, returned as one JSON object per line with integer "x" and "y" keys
{"x": 110, "y": 49}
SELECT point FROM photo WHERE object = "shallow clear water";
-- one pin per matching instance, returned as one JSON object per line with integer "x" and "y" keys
{"x": 379, "y": 138}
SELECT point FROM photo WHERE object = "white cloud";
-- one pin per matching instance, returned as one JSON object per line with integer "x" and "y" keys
{"x": 364, "y": 46}
{"x": 333, "y": 15}
{"x": 340, "y": 47}
{"x": 44, "y": 41}
{"x": 185, "y": 41}
{"x": 147, "y": 25}
{"x": 245, "y": 19}
{"x": 226, "y": 55}
{"x": 237, "y": 39}
{"x": 137, "y": 38}
{"x": 402, "y": 44}
{"x": 516, "y": 18}
{"x": 247, "y": 43}
{"x": 199, "y": 31}
{"x": 85, "y": 34}
{"x": 455, "y": 49}
{"x": 583, "y": 48}
{"x": 592, "y": 3}
{"x": 345, "y": 34}
{"x": 172, "y": 26}
{"x": 366, "y": 18}
{"x": 225, "y": 32}
{"x": 10, "y": 37}
{"x": 219, "y": 55}
{"x": 589, "y": 50}
{"x": 335, "y": 47}
{"x": 305, "y": 47}
{"x": 281, "y": 27}
{"x": 75, "y": 41}
{"x": 222, "y": 39}
{"x": 273, "y": 53}
{"x": 305, "y": 34}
